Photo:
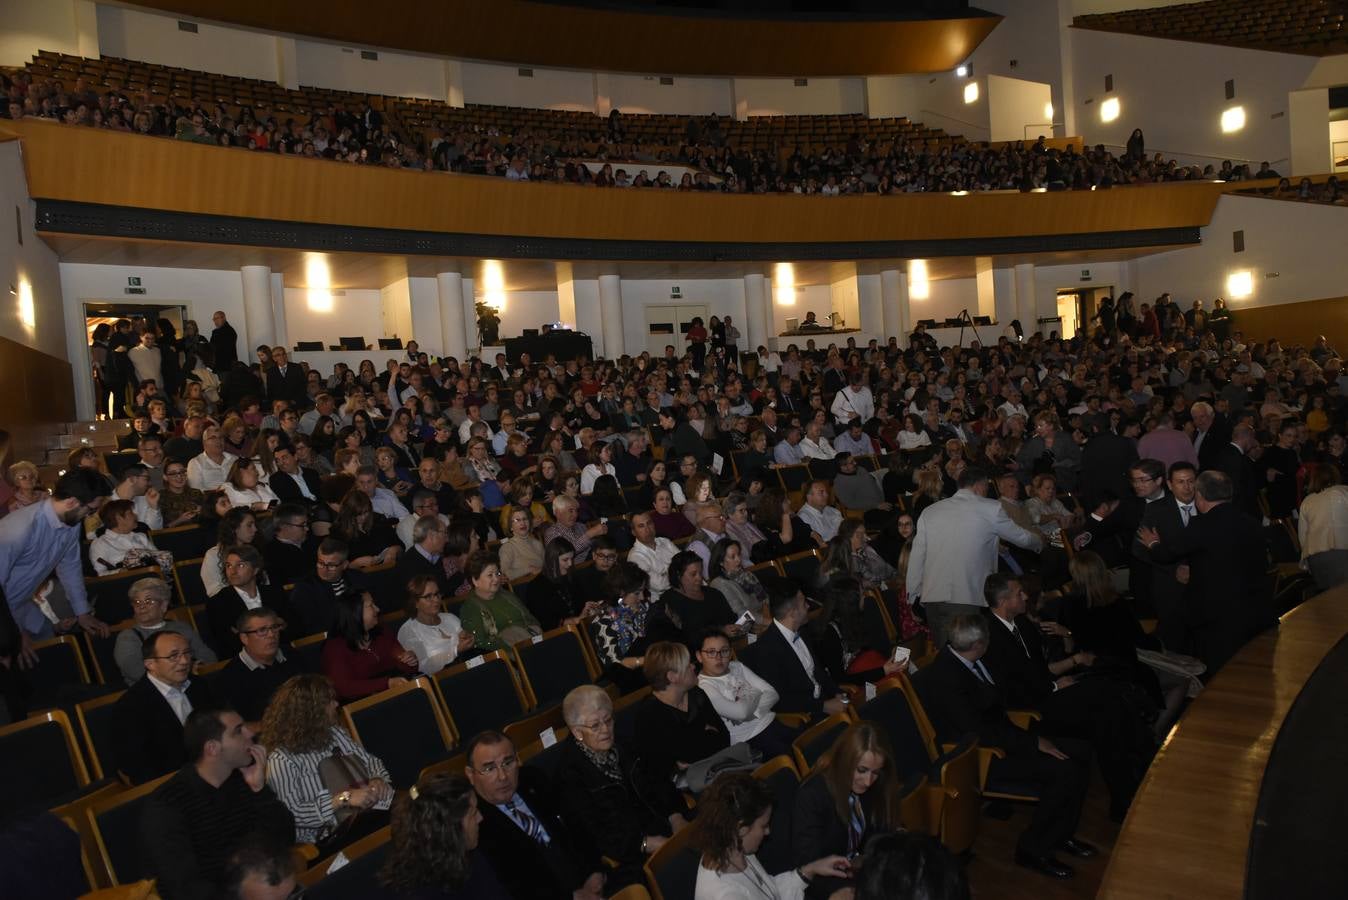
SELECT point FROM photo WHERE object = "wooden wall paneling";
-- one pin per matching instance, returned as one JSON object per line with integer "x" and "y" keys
{"x": 106, "y": 167}
{"x": 612, "y": 40}
{"x": 1296, "y": 323}
{"x": 38, "y": 388}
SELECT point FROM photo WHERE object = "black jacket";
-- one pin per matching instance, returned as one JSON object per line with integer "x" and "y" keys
{"x": 777, "y": 664}
{"x": 147, "y": 737}
{"x": 225, "y": 347}
{"x": 525, "y": 867}
{"x": 224, "y": 608}
{"x": 666, "y": 736}
{"x": 291, "y": 386}
{"x": 1020, "y": 674}
{"x": 1104, "y": 467}
{"x": 615, "y": 816}
{"x": 285, "y": 488}
{"x": 816, "y": 830}
{"x": 1218, "y": 436}
{"x": 1244, "y": 480}
{"x": 248, "y": 691}
{"x": 959, "y": 704}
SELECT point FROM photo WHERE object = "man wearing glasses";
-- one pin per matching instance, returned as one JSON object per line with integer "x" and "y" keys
{"x": 249, "y": 679}
{"x": 291, "y": 552}
{"x": 147, "y": 722}
{"x": 532, "y": 850}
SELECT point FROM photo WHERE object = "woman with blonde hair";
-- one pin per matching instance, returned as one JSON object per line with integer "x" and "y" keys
{"x": 336, "y": 790}
{"x": 28, "y": 488}
{"x": 928, "y": 484}
{"x": 521, "y": 553}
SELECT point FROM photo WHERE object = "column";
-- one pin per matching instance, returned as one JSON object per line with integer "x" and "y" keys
{"x": 1025, "y": 299}
{"x": 257, "y": 309}
{"x": 278, "y": 309}
{"x": 453, "y": 341}
{"x": 454, "y": 83}
{"x": 468, "y": 302}
{"x": 756, "y": 325}
{"x": 895, "y": 305}
{"x": 870, "y": 308}
{"x": 611, "y": 309}
{"x": 987, "y": 288}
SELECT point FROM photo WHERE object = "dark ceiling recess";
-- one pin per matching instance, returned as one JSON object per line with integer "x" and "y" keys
{"x": 778, "y": 9}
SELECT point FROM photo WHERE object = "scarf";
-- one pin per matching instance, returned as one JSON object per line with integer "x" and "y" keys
{"x": 606, "y": 762}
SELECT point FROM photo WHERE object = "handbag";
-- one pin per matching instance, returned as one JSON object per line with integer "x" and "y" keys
{"x": 735, "y": 758}
{"x": 338, "y": 773}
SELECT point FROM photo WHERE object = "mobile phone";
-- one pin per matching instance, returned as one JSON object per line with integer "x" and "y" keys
{"x": 902, "y": 655}
{"x": 746, "y": 619}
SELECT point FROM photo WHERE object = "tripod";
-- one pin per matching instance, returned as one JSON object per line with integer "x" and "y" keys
{"x": 966, "y": 319}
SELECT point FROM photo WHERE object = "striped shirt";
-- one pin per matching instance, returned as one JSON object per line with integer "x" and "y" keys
{"x": 295, "y": 780}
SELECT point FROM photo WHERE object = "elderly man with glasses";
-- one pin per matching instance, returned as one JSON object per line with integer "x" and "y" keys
{"x": 249, "y": 679}
{"x": 147, "y": 722}
{"x": 149, "y": 602}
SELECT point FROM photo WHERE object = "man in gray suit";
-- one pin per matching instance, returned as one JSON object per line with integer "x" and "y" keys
{"x": 955, "y": 550}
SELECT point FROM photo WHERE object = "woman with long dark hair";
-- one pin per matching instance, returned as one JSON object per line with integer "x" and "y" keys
{"x": 552, "y": 596}
{"x": 432, "y": 851}
{"x": 359, "y": 656}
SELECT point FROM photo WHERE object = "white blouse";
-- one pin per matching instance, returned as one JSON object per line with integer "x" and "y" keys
{"x": 436, "y": 646}
{"x": 754, "y": 883}
{"x": 110, "y": 548}
{"x": 246, "y": 498}
{"x": 592, "y": 473}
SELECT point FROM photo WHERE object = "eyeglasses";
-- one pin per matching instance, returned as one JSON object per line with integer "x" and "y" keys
{"x": 301, "y": 524}
{"x": 148, "y": 601}
{"x": 505, "y": 765}
{"x": 607, "y": 557}
{"x": 603, "y": 724}
{"x": 176, "y": 656}
{"x": 717, "y": 654}
{"x": 174, "y": 473}
{"x": 266, "y": 630}
{"x": 432, "y": 595}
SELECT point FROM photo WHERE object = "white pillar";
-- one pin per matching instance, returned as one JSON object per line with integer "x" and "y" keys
{"x": 454, "y": 83}
{"x": 870, "y": 308}
{"x": 894, "y": 305}
{"x": 611, "y": 308}
{"x": 756, "y": 325}
{"x": 987, "y": 288}
{"x": 1025, "y": 298}
{"x": 468, "y": 299}
{"x": 452, "y": 339}
{"x": 257, "y": 309}
{"x": 278, "y": 310}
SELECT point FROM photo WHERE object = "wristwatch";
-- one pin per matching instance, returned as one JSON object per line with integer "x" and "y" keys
{"x": 344, "y": 798}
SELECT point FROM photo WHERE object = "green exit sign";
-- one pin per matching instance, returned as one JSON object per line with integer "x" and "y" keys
{"x": 133, "y": 281}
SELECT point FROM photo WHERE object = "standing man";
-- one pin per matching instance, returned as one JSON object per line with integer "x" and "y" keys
{"x": 1169, "y": 517}
{"x": 146, "y": 360}
{"x": 286, "y": 382}
{"x": 1211, "y": 433}
{"x": 955, "y": 550}
{"x": 224, "y": 343}
{"x": 853, "y": 403}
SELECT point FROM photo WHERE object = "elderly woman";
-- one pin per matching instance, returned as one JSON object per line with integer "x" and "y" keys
{"x": 149, "y": 601}
{"x": 495, "y": 617}
{"x": 1050, "y": 450}
{"x": 740, "y": 587}
{"x": 27, "y": 488}
{"x": 567, "y": 511}
{"x": 433, "y": 839}
{"x": 738, "y": 524}
{"x": 626, "y": 810}
{"x": 521, "y": 553}
{"x": 669, "y": 522}
{"x": 335, "y": 789}
{"x": 359, "y": 656}
{"x": 677, "y": 725}
{"x": 435, "y": 636}
{"x": 482, "y": 471}
{"x": 732, "y": 821}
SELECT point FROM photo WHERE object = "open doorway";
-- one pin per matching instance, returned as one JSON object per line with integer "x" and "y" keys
{"x": 1078, "y": 306}
{"x": 114, "y": 376}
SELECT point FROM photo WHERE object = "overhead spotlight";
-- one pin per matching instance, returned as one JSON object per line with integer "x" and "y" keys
{"x": 971, "y": 92}
{"x": 1109, "y": 109}
{"x": 1240, "y": 284}
{"x": 1233, "y": 119}
{"x": 964, "y": 70}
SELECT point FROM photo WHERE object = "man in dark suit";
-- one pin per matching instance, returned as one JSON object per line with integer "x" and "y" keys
{"x": 1223, "y": 559}
{"x": 1168, "y": 517}
{"x": 783, "y": 659}
{"x": 1104, "y": 466}
{"x": 1072, "y": 705}
{"x": 959, "y": 696}
{"x": 292, "y": 550}
{"x": 148, "y": 719}
{"x": 286, "y": 382}
{"x": 1212, "y": 432}
{"x": 224, "y": 344}
{"x": 251, "y": 676}
{"x": 1233, "y": 460}
{"x": 314, "y": 597}
{"x": 292, "y": 482}
{"x": 522, "y": 834}
{"x": 424, "y": 556}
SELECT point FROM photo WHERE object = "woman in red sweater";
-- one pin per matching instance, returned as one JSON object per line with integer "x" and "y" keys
{"x": 360, "y": 657}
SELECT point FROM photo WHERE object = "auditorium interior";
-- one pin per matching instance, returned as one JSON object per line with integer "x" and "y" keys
{"x": 640, "y": 270}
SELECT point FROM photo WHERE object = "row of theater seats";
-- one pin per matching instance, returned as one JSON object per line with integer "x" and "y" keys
{"x": 1287, "y": 26}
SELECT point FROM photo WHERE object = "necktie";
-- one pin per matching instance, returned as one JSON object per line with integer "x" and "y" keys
{"x": 1016, "y": 632}
{"x": 856, "y": 825}
{"x": 982, "y": 673}
{"x": 528, "y": 823}
{"x": 1186, "y": 510}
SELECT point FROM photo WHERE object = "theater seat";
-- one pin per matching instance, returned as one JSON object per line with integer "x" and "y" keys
{"x": 403, "y": 726}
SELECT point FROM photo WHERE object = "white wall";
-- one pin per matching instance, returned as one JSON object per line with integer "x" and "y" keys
{"x": 354, "y": 313}
{"x": 935, "y": 100}
{"x": 29, "y": 269}
{"x": 722, "y": 297}
{"x": 1174, "y": 92}
{"x": 547, "y": 89}
{"x": 1048, "y": 280}
{"x": 781, "y": 97}
{"x": 1301, "y": 242}
{"x": 686, "y": 96}
{"x": 155, "y": 38}
{"x": 32, "y": 26}
{"x": 1016, "y": 109}
{"x": 529, "y": 309}
{"x": 341, "y": 68}
{"x": 1026, "y": 45}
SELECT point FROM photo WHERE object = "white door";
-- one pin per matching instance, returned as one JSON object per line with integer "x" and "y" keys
{"x": 668, "y": 326}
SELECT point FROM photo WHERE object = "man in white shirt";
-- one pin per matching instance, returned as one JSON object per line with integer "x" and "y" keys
{"x": 743, "y": 700}
{"x": 423, "y": 504}
{"x": 814, "y": 445}
{"x": 1013, "y": 406}
{"x": 710, "y": 531}
{"x": 384, "y": 501}
{"x": 210, "y": 469}
{"x": 853, "y": 403}
{"x": 824, "y": 520}
{"x": 146, "y": 360}
{"x": 789, "y": 451}
{"x": 466, "y": 427}
{"x": 650, "y": 553}
{"x": 135, "y": 487}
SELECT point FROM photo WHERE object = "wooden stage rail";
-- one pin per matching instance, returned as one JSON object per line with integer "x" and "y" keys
{"x": 1188, "y": 832}
{"x": 124, "y": 170}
